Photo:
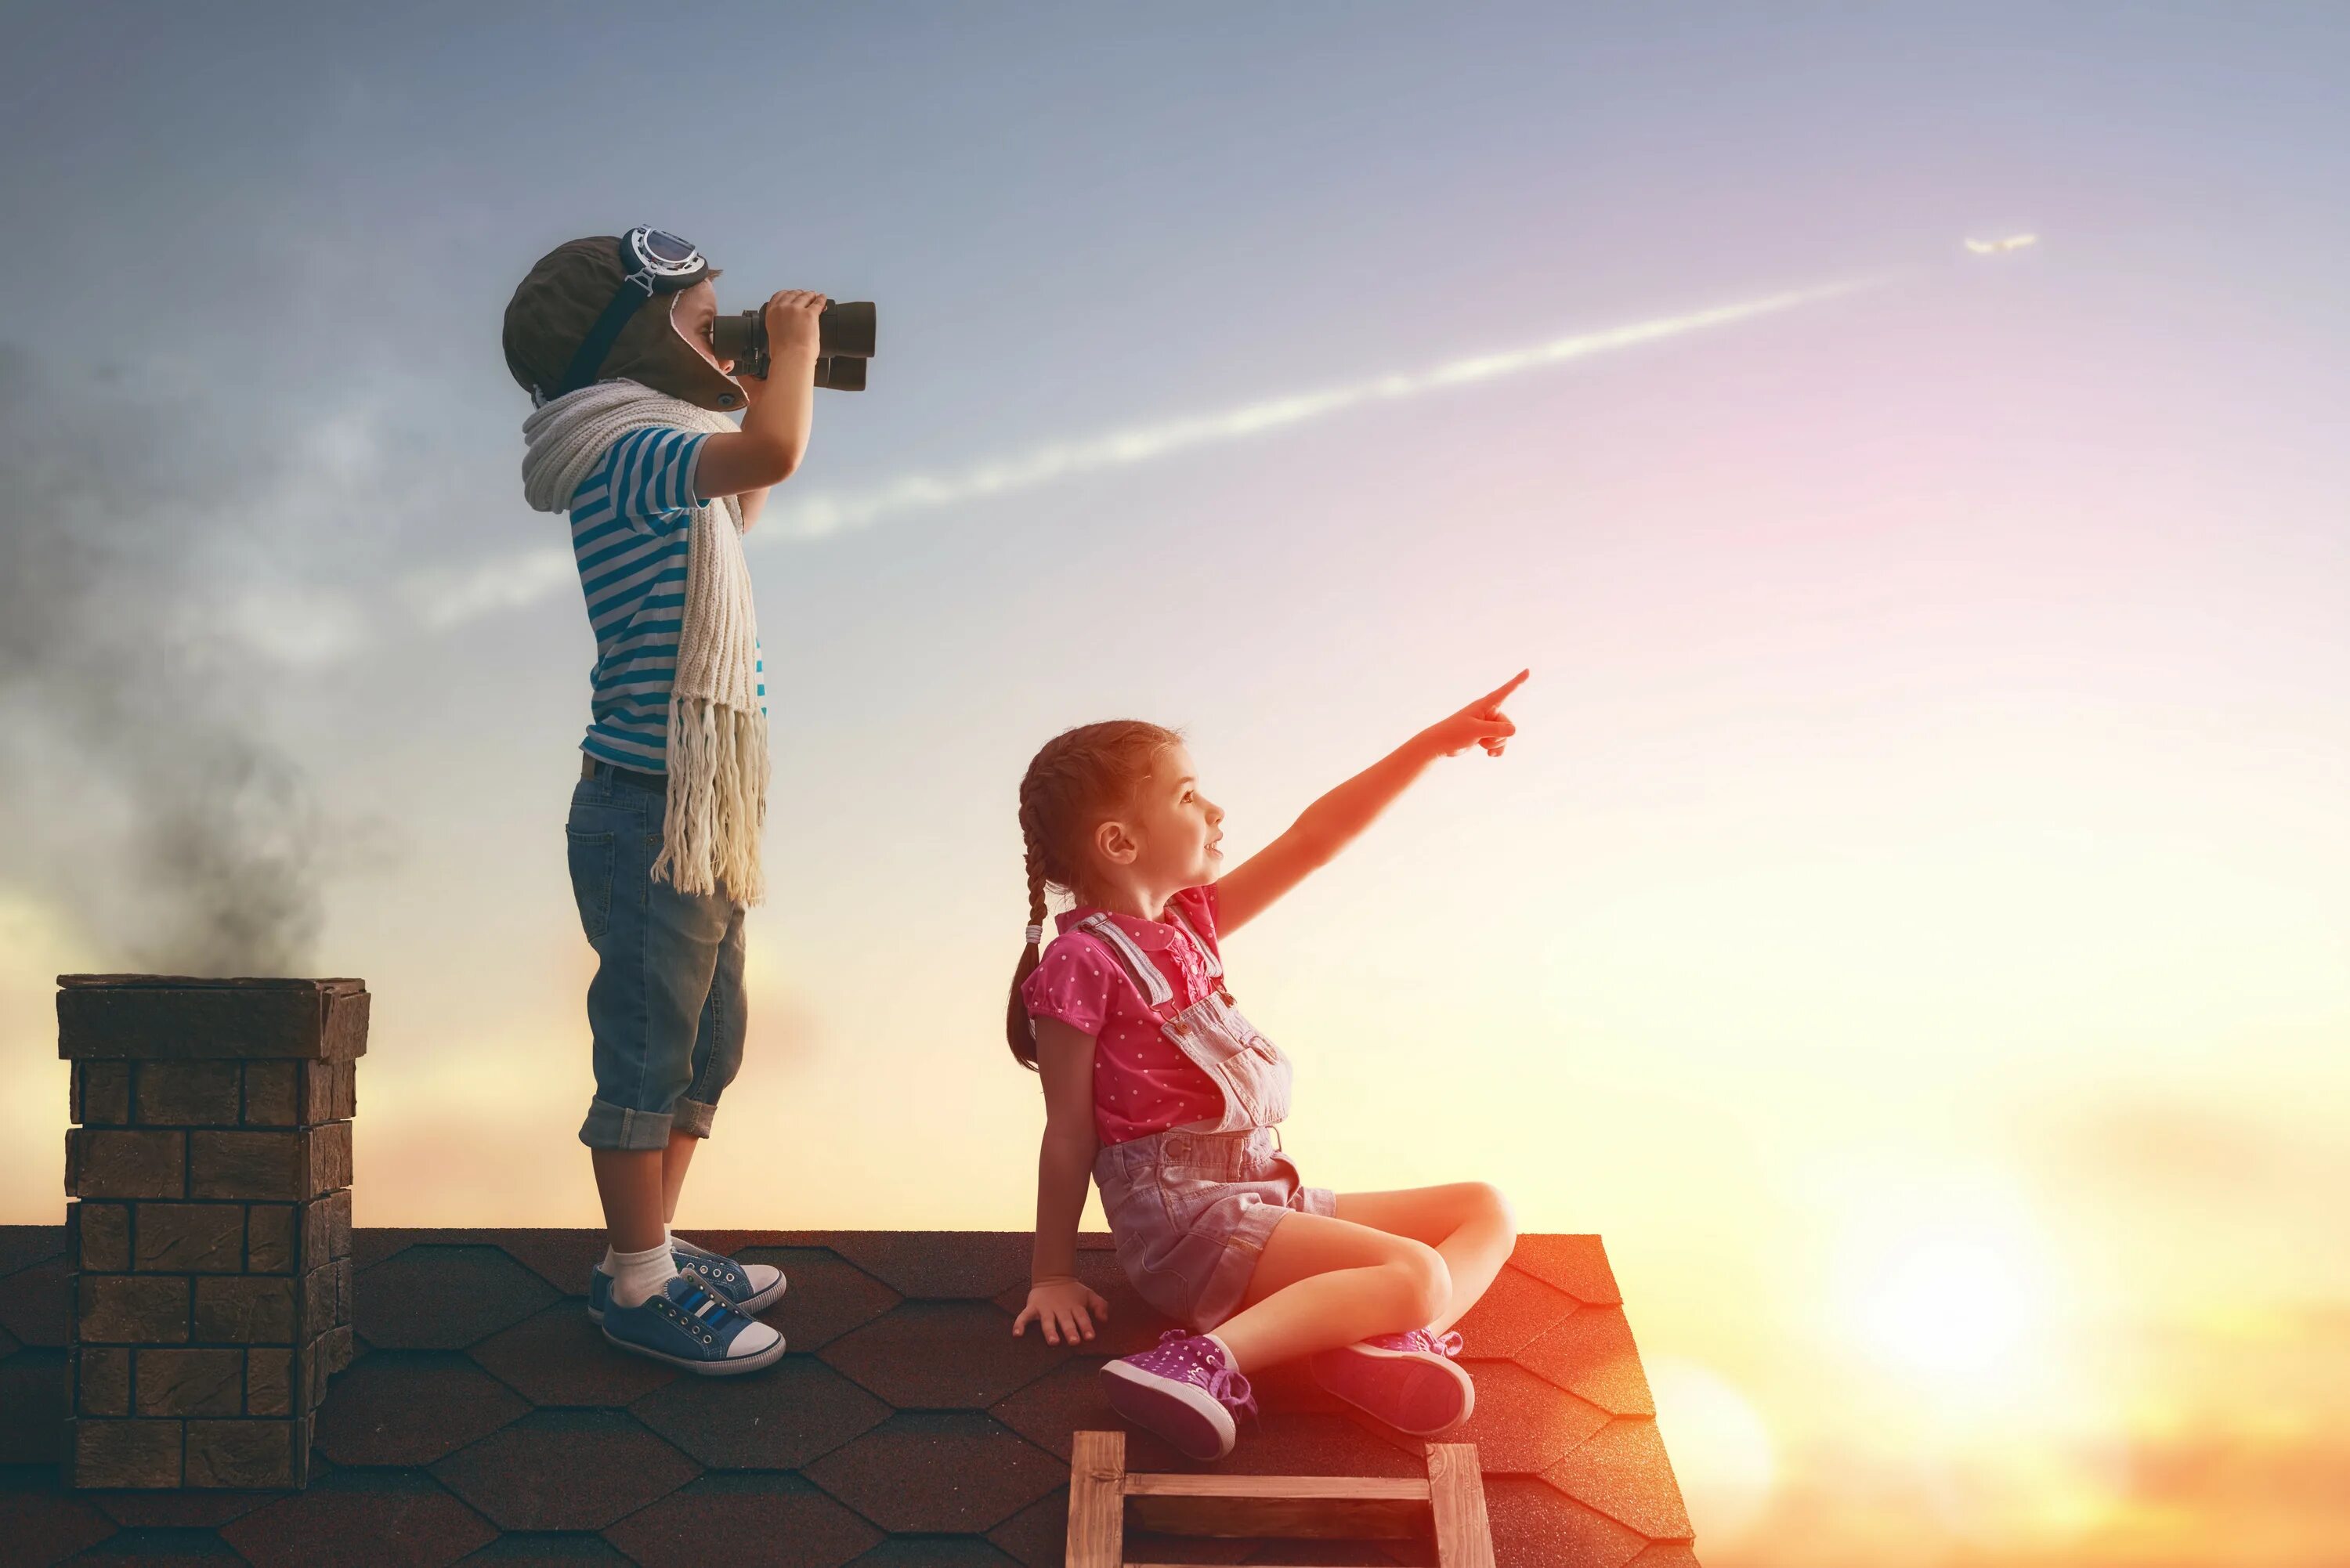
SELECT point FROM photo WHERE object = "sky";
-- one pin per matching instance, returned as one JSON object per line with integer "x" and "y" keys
{"x": 1906, "y": 926}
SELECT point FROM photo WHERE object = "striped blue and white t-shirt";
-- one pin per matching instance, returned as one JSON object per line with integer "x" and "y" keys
{"x": 630, "y": 530}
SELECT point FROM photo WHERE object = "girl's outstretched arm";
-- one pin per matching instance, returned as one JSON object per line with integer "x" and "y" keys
{"x": 1332, "y": 822}
{"x": 1057, "y": 1299}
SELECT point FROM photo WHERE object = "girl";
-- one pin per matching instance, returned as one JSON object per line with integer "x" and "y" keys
{"x": 1155, "y": 1084}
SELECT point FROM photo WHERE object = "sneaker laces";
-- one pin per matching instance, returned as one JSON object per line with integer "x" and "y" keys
{"x": 1447, "y": 1344}
{"x": 721, "y": 1309}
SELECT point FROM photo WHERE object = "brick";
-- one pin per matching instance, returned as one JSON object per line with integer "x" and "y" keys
{"x": 347, "y": 1090}
{"x": 133, "y": 1309}
{"x": 269, "y": 1239}
{"x": 191, "y": 1382}
{"x": 339, "y": 1224}
{"x": 263, "y": 1165}
{"x": 318, "y": 1299}
{"x": 248, "y": 1453}
{"x": 317, "y": 1095}
{"x": 101, "y": 1093}
{"x": 137, "y": 1018}
{"x": 341, "y": 1346}
{"x": 190, "y": 1238}
{"x": 270, "y": 1380}
{"x": 106, "y": 1163}
{"x": 126, "y": 1453}
{"x": 101, "y": 1381}
{"x": 248, "y": 1310}
{"x": 272, "y": 1093}
{"x": 330, "y": 1157}
{"x": 102, "y": 1237}
{"x": 189, "y": 1094}
{"x": 317, "y": 1232}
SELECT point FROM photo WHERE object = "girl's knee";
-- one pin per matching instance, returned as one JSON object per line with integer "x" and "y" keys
{"x": 1427, "y": 1280}
{"x": 1492, "y": 1206}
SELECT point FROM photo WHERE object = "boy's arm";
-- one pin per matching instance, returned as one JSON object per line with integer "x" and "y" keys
{"x": 777, "y": 409}
{"x": 1332, "y": 822}
{"x": 1057, "y": 1300}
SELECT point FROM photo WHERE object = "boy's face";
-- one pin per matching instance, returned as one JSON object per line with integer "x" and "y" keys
{"x": 693, "y": 312}
{"x": 1166, "y": 839}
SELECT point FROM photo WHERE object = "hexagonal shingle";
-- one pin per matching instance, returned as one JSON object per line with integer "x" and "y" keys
{"x": 1512, "y": 1310}
{"x": 361, "y": 1516}
{"x": 1622, "y": 1472}
{"x": 825, "y": 1295}
{"x": 411, "y": 1407}
{"x": 558, "y": 1358}
{"x": 42, "y": 1524}
{"x": 778, "y": 1419}
{"x": 551, "y": 1549}
{"x": 21, "y": 1246}
{"x": 36, "y": 1302}
{"x": 36, "y": 1390}
{"x": 939, "y": 1473}
{"x": 943, "y": 1264}
{"x": 1590, "y": 1352}
{"x": 944, "y": 1356}
{"x": 436, "y": 1297}
{"x": 1532, "y": 1523}
{"x": 1522, "y": 1425}
{"x": 565, "y": 1469}
{"x": 936, "y": 1551}
{"x": 1576, "y": 1265}
{"x": 752, "y": 1517}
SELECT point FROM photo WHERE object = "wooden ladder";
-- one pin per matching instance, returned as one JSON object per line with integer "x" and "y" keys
{"x": 1102, "y": 1494}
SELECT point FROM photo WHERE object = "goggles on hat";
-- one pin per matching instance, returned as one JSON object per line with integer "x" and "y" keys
{"x": 654, "y": 261}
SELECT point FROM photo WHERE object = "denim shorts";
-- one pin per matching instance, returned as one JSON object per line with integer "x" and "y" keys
{"x": 666, "y": 1007}
{"x": 1190, "y": 1213}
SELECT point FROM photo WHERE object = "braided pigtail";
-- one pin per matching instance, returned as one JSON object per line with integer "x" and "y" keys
{"x": 1080, "y": 777}
{"x": 1019, "y": 1027}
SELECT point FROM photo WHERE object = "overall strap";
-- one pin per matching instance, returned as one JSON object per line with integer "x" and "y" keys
{"x": 1157, "y": 994}
{"x": 1207, "y": 954}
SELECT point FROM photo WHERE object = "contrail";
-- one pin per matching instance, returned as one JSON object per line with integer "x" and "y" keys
{"x": 524, "y": 579}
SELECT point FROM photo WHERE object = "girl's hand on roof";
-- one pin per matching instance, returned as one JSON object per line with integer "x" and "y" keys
{"x": 1061, "y": 1307}
{"x": 1481, "y": 723}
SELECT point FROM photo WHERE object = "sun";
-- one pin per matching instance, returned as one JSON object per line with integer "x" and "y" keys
{"x": 1955, "y": 1293}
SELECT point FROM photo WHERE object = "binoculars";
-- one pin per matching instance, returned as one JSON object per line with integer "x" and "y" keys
{"x": 844, "y": 342}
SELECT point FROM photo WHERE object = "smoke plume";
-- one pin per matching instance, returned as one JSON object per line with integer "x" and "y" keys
{"x": 144, "y": 800}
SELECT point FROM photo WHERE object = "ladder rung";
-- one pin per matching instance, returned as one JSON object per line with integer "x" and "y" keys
{"x": 1343, "y": 1507}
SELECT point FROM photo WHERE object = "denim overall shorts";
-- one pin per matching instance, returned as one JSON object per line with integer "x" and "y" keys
{"x": 1191, "y": 1208}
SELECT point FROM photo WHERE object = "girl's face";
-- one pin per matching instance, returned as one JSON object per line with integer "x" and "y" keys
{"x": 1165, "y": 840}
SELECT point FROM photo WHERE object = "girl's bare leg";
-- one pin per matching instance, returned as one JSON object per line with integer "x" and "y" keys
{"x": 1418, "y": 1258}
{"x": 1323, "y": 1282}
{"x": 1469, "y": 1223}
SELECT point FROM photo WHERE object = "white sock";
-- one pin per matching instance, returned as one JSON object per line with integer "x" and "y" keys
{"x": 639, "y": 1276}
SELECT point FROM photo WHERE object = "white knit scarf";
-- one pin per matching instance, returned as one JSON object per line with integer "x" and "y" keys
{"x": 718, "y": 765}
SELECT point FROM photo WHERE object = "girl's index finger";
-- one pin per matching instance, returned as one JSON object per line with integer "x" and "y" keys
{"x": 1502, "y": 692}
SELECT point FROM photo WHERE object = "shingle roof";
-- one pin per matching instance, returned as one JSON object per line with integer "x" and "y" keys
{"x": 487, "y": 1419}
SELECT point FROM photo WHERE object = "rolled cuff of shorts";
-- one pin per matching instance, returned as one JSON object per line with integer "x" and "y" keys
{"x": 692, "y": 1117}
{"x": 1318, "y": 1201}
{"x": 617, "y": 1126}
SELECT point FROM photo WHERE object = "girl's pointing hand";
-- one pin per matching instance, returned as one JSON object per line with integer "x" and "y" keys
{"x": 1481, "y": 723}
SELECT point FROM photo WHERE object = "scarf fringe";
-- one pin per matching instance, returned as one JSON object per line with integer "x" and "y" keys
{"x": 717, "y": 806}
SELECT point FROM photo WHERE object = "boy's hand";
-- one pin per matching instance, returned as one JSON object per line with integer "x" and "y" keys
{"x": 792, "y": 335}
{"x": 1482, "y": 724}
{"x": 1061, "y": 1307}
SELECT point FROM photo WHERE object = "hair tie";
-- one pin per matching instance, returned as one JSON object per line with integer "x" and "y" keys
{"x": 1036, "y": 934}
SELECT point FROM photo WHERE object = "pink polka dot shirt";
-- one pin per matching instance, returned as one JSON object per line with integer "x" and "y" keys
{"x": 1142, "y": 1083}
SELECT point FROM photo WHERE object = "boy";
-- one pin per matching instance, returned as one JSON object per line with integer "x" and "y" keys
{"x": 611, "y": 336}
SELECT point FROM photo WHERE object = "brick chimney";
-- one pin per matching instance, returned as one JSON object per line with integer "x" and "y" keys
{"x": 211, "y": 1170}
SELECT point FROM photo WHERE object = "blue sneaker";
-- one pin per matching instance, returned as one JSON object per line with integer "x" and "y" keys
{"x": 687, "y": 1326}
{"x": 747, "y": 1287}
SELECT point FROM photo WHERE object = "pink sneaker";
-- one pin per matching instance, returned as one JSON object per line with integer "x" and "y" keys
{"x": 1184, "y": 1390}
{"x": 1407, "y": 1380}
